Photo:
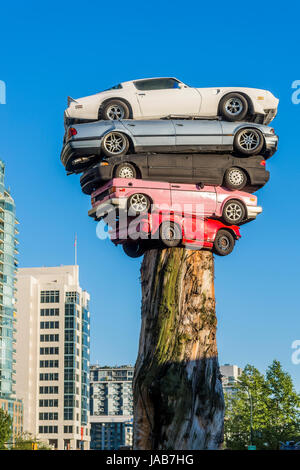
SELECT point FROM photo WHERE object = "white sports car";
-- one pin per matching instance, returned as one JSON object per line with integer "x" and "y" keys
{"x": 155, "y": 98}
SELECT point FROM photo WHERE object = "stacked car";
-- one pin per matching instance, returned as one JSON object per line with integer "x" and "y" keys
{"x": 182, "y": 162}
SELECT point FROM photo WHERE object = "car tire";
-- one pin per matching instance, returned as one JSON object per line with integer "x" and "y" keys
{"x": 125, "y": 170}
{"x": 134, "y": 249}
{"x": 234, "y": 107}
{"x": 248, "y": 141}
{"x": 138, "y": 203}
{"x": 224, "y": 243}
{"x": 170, "y": 234}
{"x": 235, "y": 178}
{"x": 114, "y": 110}
{"x": 114, "y": 144}
{"x": 233, "y": 212}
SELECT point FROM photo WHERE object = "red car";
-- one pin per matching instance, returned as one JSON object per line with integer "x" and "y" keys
{"x": 144, "y": 232}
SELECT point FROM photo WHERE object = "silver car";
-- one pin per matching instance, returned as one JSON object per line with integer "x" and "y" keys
{"x": 116, "y": 138}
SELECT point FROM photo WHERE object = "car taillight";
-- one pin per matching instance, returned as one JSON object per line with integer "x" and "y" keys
{"x": 272, "y": 130}
{"x": 263, "y": 162}
{"x": 72, "y": 131}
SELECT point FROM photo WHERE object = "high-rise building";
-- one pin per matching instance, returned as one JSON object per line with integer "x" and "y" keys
{"x": 8, "y": 315}
{"x": 111, "y": 407}
{"x": 53, "y": 355}
{"x": 230, "y": 374}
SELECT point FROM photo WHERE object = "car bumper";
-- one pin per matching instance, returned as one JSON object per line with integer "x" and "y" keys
{"x": 271, "y": 144}
{"x": 253, "y": 211}
{"x": 73, "y": 151}
{"x": 110, "y": 205}
{"x": 94, "y": 177}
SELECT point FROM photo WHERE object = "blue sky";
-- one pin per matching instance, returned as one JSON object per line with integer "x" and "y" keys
{"x": 50, "y": 51}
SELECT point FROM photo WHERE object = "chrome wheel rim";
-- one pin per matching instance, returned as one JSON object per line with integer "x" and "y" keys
{"x": 138, "y": 202}
{"x": 169, "y": 233}
{"x": 236, "y": 177}
{"x": 115, "y": 112}
{"x": 126, "y": 172}
{"x": 234, "y": 106}
{"x": 114, "y": 143}
{"x": 233, "y": 212}
{"x": 249, "y": 139}
{"x": 223, "y": 243}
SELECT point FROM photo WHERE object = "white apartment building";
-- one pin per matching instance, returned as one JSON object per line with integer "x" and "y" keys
{"x": 230, "y": 374}
{"x": 52, "y": 354}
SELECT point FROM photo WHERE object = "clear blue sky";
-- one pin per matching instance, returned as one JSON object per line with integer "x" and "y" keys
{"x": 52, "y": 50}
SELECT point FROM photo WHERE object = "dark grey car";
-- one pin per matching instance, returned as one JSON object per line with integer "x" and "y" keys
{"x": 233, "y": 172}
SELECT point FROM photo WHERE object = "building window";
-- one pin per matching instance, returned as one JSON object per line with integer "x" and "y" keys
{"x": 49, "y": 296}
{"x": 72, "y": 298}
{"x": 49, "y": 350}
{"x": 48, "y": 403}
{"x": 48, "y": 416}
{"x": 48, "y": 390}
{"x": 49, "y": 363}
{"x": 46, "y": 338}
{"x": 49, "y": 312}
{"x": 68, "y": 429}
{"x": 49, "y": 376}
{"x": 45, "y": 325}
{"x": 48, "y": 429}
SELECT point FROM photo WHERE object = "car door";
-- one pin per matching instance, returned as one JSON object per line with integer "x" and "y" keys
{"x": 210, "y": 168}
{"x": 192, "y": 198}
{"x": 198, "y": 134}
{"x": 154, "y": 135}
{"x": 164, "y": 97}
{"x": 170, "y": 167}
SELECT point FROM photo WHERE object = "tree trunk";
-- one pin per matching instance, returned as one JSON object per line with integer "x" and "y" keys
{"x": 178, "y": 397}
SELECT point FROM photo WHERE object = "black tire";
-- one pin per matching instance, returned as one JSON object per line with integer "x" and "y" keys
{"x": 248, "y": 141}
{"x": 233, "y": 212}
{"x": 235, "y": 178}
{"x": 170, "y": 234}
{"x": 134, "y": 249}
{"x": 224, "y": 243}
{"x": 114, "y": 110}
{"x": 125, "y": 170}
{"x": 114, "y": 144}
{"x": 234, "y": 107}
{"x": 138, "y": 203}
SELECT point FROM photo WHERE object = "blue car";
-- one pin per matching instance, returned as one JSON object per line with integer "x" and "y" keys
{"x": 83, "y": 143}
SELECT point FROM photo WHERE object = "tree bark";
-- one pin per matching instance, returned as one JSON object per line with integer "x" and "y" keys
{"x": 178, "y": 396}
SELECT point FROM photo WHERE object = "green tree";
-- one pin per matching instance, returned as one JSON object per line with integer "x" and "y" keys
{"x": 5, "y": 428}
{"x": 275, "y": 409}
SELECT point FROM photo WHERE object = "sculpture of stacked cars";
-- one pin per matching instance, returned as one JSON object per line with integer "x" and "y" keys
{"x": 165, "y": 164}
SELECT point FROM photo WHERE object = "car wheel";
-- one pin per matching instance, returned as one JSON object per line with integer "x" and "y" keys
{"x": 234, "y": 107}
{"x": 114, "y": 110}
{"x": 170, "y": 234}
{"x": 235, "y": 178}
{"x": 224, "y": 243}
{"x": 134, "y": 250}
{"x": 138, "y": 203}
{"x": 114, "y": 144}
{"x": 125, "y": 170}
{"x": 233, "y": 212}
{"x": 248, "y": 141}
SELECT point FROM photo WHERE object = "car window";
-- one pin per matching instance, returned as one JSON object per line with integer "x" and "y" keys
{"x": 115, "y": 87}
{"x": 157, "y": 84}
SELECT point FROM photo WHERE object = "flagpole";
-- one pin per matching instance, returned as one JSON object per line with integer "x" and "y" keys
{"x": 75, "y": 249}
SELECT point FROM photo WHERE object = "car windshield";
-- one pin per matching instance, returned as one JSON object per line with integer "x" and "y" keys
{"x": 115, "y": 87}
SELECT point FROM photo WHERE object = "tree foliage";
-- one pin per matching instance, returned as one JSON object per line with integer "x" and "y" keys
{"x": 275, "y": 409}
{"x": 27, "y": 441}
{"x": 5, "y": 428}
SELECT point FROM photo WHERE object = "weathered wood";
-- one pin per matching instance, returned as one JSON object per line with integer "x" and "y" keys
{"x": 178, "y": 397}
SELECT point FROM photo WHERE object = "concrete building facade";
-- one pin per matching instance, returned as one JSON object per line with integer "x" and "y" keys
{"x": 111, "y": 407}
{"x": 53, "y": 355}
